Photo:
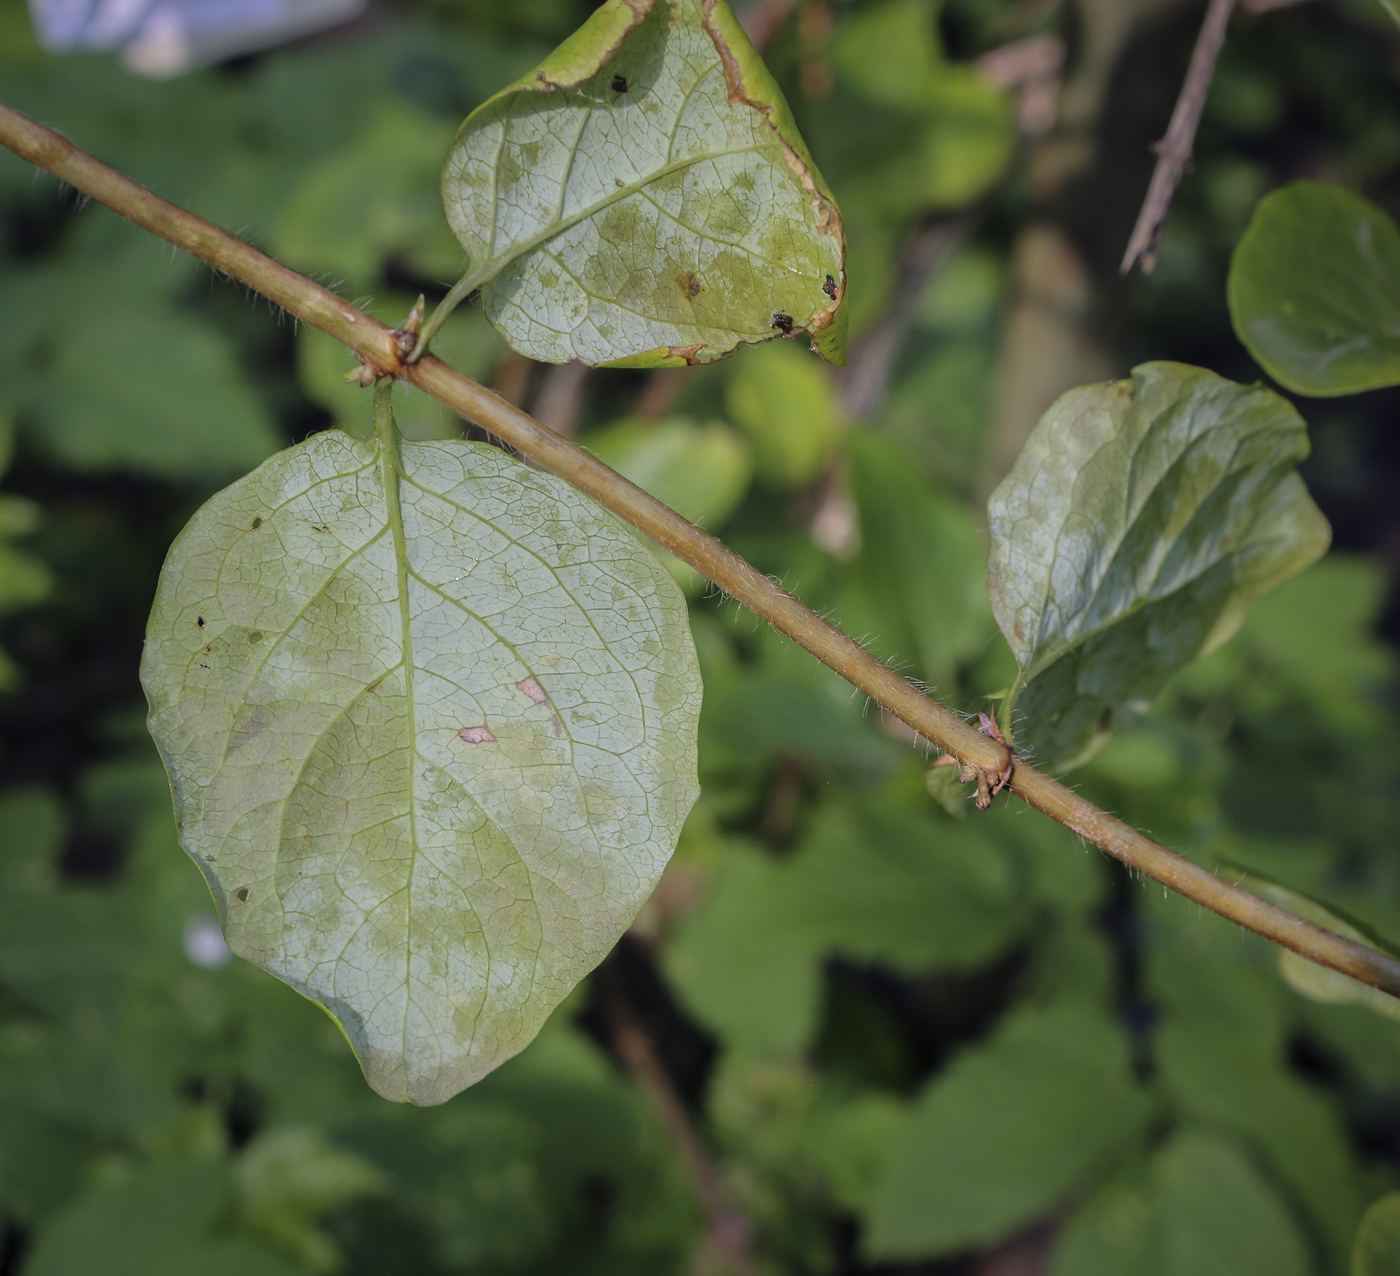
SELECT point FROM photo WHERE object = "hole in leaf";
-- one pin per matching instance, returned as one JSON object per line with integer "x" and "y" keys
{"x": 255, "y": 637}
{"x": 257, "y": 523}
{"x": 199, "y": 620}
{"x": 241, "y": 894}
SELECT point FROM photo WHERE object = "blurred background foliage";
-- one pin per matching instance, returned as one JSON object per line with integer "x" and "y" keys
{"x": 887, "y": 1034}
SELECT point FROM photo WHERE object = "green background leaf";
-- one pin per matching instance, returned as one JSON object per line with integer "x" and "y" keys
{"x": 431, "y": 764}
{"x": 1201, "y": 1209}
{"x": 1315, "y": 290}
{"x": 786, "y": 405}
{"x": 974, "y": 1160}
{"x": 644, "y": 197}
{"x": 1140, "y": 521}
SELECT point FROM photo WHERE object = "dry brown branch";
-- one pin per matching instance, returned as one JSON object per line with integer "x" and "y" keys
{"x": 1174, "y": 150}
{"x": 870, "y": 364}
{"x": 726, "y": 1248}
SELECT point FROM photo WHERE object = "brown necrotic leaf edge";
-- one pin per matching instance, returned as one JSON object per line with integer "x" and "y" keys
{"x": 748, "y": 83}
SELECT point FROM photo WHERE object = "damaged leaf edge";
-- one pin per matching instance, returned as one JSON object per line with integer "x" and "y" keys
{"x": 748, "y": 83}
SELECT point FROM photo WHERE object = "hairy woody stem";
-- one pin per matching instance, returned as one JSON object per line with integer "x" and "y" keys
{"x": 385, "y": 349}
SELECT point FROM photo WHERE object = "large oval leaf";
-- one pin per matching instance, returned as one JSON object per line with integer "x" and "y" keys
{"x": 1315, "y": 290}
{"x": 1140, "y": 521}
{"x": 431, "y": 734}
{"x": 644, "y": 197}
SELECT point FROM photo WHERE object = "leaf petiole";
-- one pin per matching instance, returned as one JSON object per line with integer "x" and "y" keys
{"x": 457, "y": 294}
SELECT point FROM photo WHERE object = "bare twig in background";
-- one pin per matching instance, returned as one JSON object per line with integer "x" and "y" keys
{"x": 1174, "y": 150}
{"x": 659, "y": 397}
{"x": 866, "y": 376}
{"x": 512, "y": 379}
{"x": 1031, "y": 69}
{"x": 762, "y": 20}
{"x": 1023, "y": 1255}
{"x": 1264, "y": 6}
{"x": 560, "y": 398}
{"x": 728, "y": 1240}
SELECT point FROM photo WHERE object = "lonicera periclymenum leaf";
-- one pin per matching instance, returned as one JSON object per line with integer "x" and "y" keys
{"x": 1315, "y": 290}
{"x": 430, "y": 718}
{"x": 643, "y": 198}
{"x": 1140, "y": 521}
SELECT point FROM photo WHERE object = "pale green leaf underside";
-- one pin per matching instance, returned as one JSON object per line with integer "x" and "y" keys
{"x": 430, "y": 766}
{"x": 1140, "y": 521}
{"x": 662, "y": 220}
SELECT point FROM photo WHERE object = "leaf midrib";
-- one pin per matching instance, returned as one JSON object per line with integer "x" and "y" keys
{"x": 390, "y": 472}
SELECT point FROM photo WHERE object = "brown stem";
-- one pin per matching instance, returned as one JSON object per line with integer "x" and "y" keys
{"x": 384, "y": 349}
{"x": 1174, "y": 150}
{"x": 728, "y": 1234}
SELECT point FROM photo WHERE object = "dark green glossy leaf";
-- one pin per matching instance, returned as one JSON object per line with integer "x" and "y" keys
{"x": 1140, "y": 521}
{"x": 1315, "y": 290}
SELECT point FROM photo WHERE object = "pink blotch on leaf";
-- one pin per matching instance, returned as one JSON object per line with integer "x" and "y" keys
{"x": 532, "y": 689}
{"x": 476, "y": 735}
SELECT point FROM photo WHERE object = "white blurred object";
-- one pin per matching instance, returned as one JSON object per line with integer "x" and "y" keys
{"x": 167, "y": 37}
{"x": 204, "y": 944}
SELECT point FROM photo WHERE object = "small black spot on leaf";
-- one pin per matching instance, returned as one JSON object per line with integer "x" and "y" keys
{"x": 782, "y": 322}
{"x": 199, "y": 620}
{"x": 619, "y": 84}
